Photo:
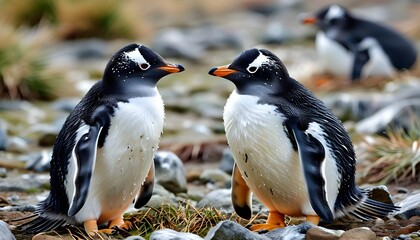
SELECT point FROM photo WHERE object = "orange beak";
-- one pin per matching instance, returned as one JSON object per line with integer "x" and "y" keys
{"x": 309, "y": 20}
{"x": 221, "y": 71}
{"x": 172, "y": 68}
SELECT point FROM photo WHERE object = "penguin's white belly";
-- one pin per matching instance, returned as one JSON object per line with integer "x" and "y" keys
{"x": 124, "y": 161}
{"x": 333, "y": 57}
{"x": 379, "y": 63}
{"x": 265, "y": 156}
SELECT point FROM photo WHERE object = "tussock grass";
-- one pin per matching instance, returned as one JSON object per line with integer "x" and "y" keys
{"x": 184, "y": 218}
{"x": 24, "y": 73}
{"x": 111, "y": 19}
{"x": 394, "y": 158}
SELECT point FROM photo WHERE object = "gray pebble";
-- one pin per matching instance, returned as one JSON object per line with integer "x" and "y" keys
{"x": 233, "y": 231}
{"x": 169, "y": 234}
{"x": 170, "y": 172}
{"x": 227, "y": 161}
{"x": 5, "y": 233}
{"x": 219, "y": 199}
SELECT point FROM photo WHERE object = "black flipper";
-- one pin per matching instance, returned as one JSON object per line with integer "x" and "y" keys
{"x": 361, "y": 57}
{"x": 146, "y": 190}
{"x": 85, "y": 154}
{"x": 312, "y": 154}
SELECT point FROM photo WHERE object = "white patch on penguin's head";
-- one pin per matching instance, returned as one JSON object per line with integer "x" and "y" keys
{"x": 335, "y": 12}
{"x": 258, "y": 62}
{"x": 137, "y": 57}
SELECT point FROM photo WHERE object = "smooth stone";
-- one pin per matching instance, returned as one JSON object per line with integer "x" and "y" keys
{"x": 362, "y": 233}
{"x": 409, "y": 207}
{"x": 17, "y": 144}
{"x": 25, "y": 183}
{"x": 173, "y": 43}
{"x": 227, "y": 161}
{"x": 219, "y": 199}
{"x": 169, "y": 234}
{"x": 215, "y": 175}
{"x": 20, "y": 208}
{"x": 295, "y": 232}
{"x": 161, "y": 197}
{"x": 38, "y": 162}
{"x": 396, "y": 115}
{"x": 44, "y": 236}
{"x": 135, "y": 238}
{"x": 3, "y": 172}
{"x": 317, "y": 233}
{"x": 5, "y": 232}
{"x": 277, "y": 33}
{"x": 72, "y": 52}
{"x": 3, "y": 136}
{"x": 170, "y": 171}
{"x": 233, "y": 231}
{"x": 208, "y": 104}
{"x": 15, "y": 105}
{"x": 65, "y": 104}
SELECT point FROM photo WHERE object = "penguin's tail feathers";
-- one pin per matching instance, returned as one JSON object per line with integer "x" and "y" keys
{"x": 40, "y": 223}
{"x": 371, "y": 209}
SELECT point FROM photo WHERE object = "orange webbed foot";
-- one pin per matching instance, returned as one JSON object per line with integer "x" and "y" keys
{"x": 275, "y": 220}
{"x": 120, "y": 223}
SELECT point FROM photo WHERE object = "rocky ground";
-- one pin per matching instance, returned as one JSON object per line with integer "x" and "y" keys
{"x": 198, "y": 166}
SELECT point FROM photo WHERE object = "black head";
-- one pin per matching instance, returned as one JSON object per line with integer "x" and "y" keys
{"x": 134, "y": 67}
{"x": 332, "y": 16}
{"x": 254, "y": 70}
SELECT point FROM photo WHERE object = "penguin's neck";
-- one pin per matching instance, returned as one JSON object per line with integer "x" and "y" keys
{"x": 129, "y": 88}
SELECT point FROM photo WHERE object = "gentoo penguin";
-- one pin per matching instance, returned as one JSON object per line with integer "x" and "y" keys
{"x": 355, "y": 47}
{"x": 290, "y": 150}
{"x": 103, "y": 156}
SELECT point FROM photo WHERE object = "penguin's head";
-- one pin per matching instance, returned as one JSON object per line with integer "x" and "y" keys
{"x": 137, "y": 64}
{"x": 332, "y": 16}
{"x": 254, "y": 69}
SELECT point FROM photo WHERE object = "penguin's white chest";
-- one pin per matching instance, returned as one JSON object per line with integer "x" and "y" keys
{"x": 124, "y": 161}
{"x": 264, "y": 155}
{"x": 335, "y": 59}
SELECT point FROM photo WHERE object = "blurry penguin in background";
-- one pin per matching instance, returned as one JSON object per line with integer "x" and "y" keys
{"x": 358, "y": 48}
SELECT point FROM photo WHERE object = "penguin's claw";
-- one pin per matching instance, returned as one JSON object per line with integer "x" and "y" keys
{"x": 275, "y": 220}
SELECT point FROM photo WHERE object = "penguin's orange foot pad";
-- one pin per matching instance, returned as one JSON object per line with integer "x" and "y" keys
{"x": 265, "y": 227}
{"x": 275, "y": 220}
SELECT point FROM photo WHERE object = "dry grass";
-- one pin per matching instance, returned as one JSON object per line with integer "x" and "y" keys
{"x": 111, "y": 19}
{"x": 184, "y": 218}
{"x": 394, "y": 158}
{"x": 23, "y": 71}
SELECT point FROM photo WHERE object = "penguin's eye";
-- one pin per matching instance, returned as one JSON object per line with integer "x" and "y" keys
{"x": 252, "y": 69}
{"x": 144, "y": 66}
